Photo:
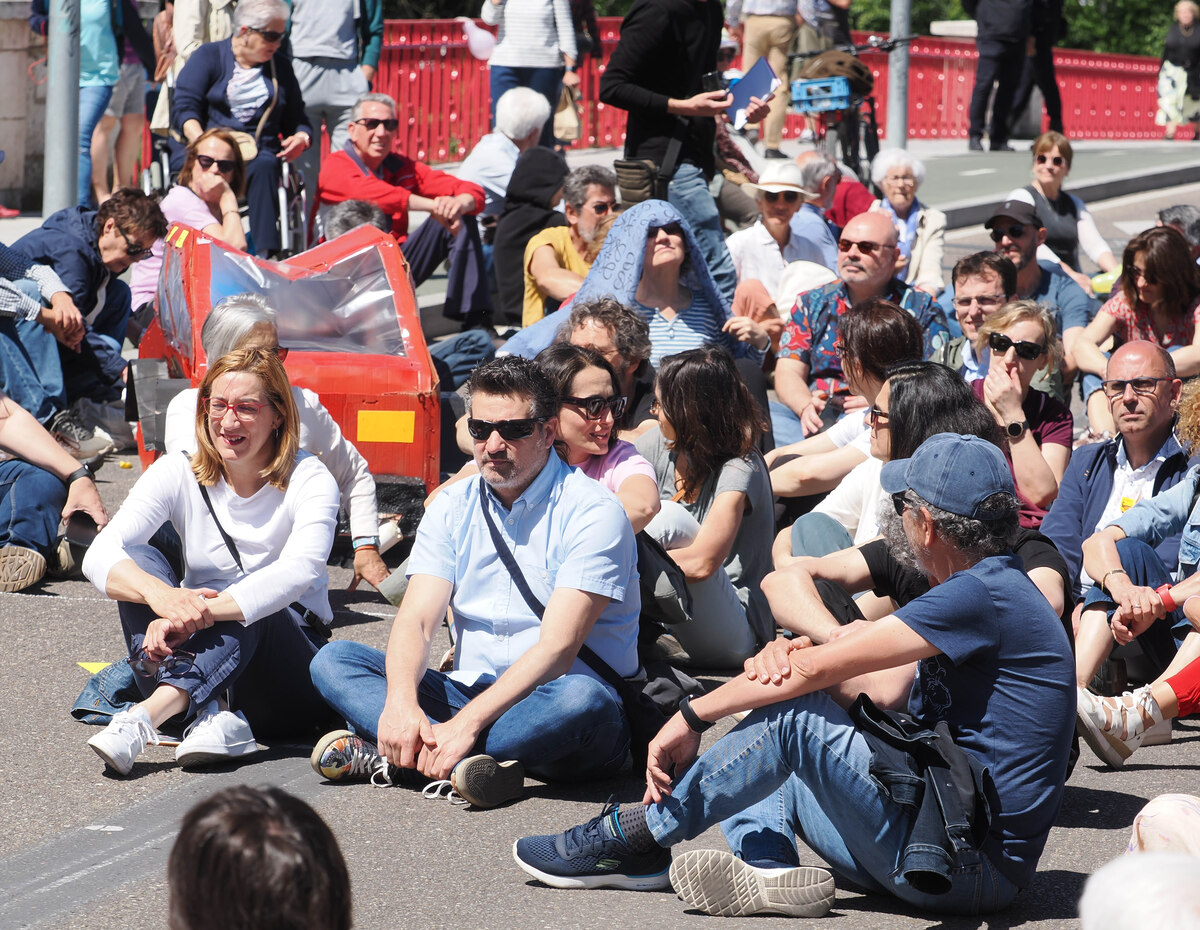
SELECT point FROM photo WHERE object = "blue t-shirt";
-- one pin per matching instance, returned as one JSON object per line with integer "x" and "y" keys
{"x": 1004, "y": 681}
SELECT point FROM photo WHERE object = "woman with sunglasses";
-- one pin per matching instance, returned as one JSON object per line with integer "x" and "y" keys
{"x": 1068, "y": 223}
{"x": 1159, "y": 301}
{"x": 921, "y": 230}
{"x": 212, "y": 179}
{"x": 1016, "y": 342}
{"x": 246, "y": 84}
{"x": 257, "y": 518}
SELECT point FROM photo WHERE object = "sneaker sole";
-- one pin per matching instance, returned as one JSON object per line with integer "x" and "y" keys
{"x": 722, "y": 885}
{"x": 657, "y": 881}
{"x": 483, "y": 782}
{"x": 1108, "y": 750}
{"x": 200, "y": 757}
{"x": 20, "y": 568}
{"x": 314, "y": 758}
{"x": 108, "y": 759}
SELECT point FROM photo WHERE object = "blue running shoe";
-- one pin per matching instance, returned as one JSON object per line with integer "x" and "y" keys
{"x": 593, "y": 855}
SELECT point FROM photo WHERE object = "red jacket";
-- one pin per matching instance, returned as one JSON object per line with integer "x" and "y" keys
{"x": 345, "y": 177}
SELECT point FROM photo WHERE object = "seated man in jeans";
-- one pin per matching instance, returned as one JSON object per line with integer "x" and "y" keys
{"x": 987, "y": 647}
{"x": 518, "y": 698}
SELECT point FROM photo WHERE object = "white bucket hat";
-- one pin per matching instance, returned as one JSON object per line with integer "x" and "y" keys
{"x": 779, "y": 177}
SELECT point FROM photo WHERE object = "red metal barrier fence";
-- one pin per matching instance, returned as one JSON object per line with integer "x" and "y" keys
{"x": 443, "y": 91}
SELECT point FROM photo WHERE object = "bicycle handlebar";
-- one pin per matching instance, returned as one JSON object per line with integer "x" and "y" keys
{"x": 873, "y": 43}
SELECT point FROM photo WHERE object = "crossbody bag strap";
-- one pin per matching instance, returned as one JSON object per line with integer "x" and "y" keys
{"x": 229, "y": 543}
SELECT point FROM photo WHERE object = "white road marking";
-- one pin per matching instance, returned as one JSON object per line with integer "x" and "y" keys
{"x": 976, "y": 172}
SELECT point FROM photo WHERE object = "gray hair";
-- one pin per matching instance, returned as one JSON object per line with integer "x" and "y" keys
{"x": 1182, "y": 216}
{"x": 630, "y": 331}
{"x": 575, "y": 188}
{"x": 350, "y": 214}
{"x": 259, "y": 14}
{"x": 975, "y": 539}
{"x": 888, "y": 159}
{"x": 230, "y": 322}
{"x": 520, "y": 111}
{"x": 385, "y": 99}
{"x": 815, "y": 170}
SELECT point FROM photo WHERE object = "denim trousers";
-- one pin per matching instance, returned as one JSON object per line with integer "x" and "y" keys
{"x": 31, "y": 503}
{"x": 30, "y": 371}
{"x": 92, "y": 103}
{"x": 455, "y": 357}
{"x": 467, "y": 282}
{"x": 689, "y": 194}
{"x": 265, "y": 663}
{"x": 569, "y": 729}
{"x": 816, "y": 534}
{"x": 263, "y": 172}
{"x": 546, "y": 81}
{"x": 801, "y": 768}
{"x": 1162, "y": 639}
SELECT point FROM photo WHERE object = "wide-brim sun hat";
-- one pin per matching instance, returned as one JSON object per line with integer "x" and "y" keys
{"x": 779, "y": 177}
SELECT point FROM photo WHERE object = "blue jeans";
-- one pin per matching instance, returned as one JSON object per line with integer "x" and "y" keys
{"x": 1162, "y": 639}
{"x": 92, "y": 103}
{"x": 456, "y": 357}
{"x": 30, "y": 370}
{"x": 816, "y": 534}
{"x": 546, "y": 81}
{"x": 31, "y": 503}
{"x": 801, "y": 768}
{"x": 785, "y": 424}
{"x": 569, "y": 729}
{"x": 265, "y": 663}
{"x": 689, "y": 194}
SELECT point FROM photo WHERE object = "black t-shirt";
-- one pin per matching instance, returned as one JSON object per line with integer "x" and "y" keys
{"x": 642, "y": 398}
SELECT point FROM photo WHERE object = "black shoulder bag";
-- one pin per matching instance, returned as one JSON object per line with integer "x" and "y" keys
{"x": 645, "y": 718}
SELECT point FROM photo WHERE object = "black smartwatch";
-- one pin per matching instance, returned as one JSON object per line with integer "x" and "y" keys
{"x": 81, "y": 472}
{"x": 695, "y": 724}
{"x": 1017, "y": 430}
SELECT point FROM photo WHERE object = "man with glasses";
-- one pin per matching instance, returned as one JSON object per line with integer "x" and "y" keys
{"x": 367, "y": 169}
{"x": 813, "y": 391}
{"x": 981, "y": 283}
{"x": 519, "y": 699}
{"x": 558, "y": 259}
{"x": 46, "y": 371}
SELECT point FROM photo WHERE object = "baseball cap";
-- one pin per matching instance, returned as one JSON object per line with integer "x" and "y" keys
{"x": 1020, "y": 210}
{"x": 954, "y": 472}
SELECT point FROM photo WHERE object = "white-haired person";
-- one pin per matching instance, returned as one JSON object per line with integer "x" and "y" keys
{"x": 921, "y": 229}
{"x": 247, "y": 321}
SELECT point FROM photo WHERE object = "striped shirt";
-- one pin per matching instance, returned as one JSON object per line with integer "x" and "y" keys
{"x": 15, "y": 266}
{"x": 532, "y": 34}
{"x": 696, "y": 326}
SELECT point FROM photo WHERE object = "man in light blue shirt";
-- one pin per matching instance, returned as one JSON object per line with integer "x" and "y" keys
{"x": 519, "y": 698}
{"x": 820, "y": 175}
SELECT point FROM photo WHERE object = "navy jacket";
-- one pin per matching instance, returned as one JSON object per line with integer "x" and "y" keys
{"x": 200, "y": 94}
{"x": 1083, "y": 494}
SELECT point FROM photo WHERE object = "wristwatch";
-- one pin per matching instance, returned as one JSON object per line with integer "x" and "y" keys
{"x": 1016, "y": 430}
{"x": 691, "y": 718}
{"x": 83, "y": 471}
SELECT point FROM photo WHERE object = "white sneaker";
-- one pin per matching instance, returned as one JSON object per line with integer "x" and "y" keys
{"x": 215, "y": 736}
{"x": 123, "y": 740}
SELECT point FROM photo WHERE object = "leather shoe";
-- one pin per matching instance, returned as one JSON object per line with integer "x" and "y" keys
{"x": 1001, "y": 147}
{"x": 975, "y": 145}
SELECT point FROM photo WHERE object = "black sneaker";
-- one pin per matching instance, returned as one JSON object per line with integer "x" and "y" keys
{"x": 718, "y": 883}
{"x": 593, "y": 855}
{"x": 975, "y": 144}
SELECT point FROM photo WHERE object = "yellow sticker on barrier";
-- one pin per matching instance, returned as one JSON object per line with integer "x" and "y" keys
{"x": 92, "y": 667}
{"x": 386, "y": 425}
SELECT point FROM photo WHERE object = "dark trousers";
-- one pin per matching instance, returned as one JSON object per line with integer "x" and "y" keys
{"x": 467, "y": 287}
{"x": 1000, "y": 64}
{"x": 1039, "y": 70}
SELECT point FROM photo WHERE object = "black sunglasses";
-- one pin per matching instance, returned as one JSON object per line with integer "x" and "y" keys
{"x": 1057, "y": 161}
{"x": 877, "y": 418}
{"x": 788, "y": 196}
{"x": 866, "y": 248}
{"x": 132, "y": 249}
{"x": 671, "y": 229}
{"x": 509, "y": 430}
{"x": 143, "y": 665}
{"x": 594, "y": 406}
{"x": 370, "y": 124}
{"x": 269, "y": 34}
{"x": 900, "y": 502}
{"x": 1116, "y": 388}
{"x": 224, "y": 165}
{"x": 602, "y": 207}
{"x": 998, "y": 342}
{"x": 1015, "y": 231}
{"x": 1136, "y": 274}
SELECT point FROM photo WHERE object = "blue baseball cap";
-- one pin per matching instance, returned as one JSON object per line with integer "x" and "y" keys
{"x": 954, "y": 472}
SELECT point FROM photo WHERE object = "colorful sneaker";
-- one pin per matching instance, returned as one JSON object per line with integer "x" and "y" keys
{"x": 483, "y": 782}
{"x": 123, "y": 740}
{"x": 593, "y": 855}
{"x": 345, "y": 756}
{"x": 718, "y": 883}
{"x": 215, "y": 736}
{"x": 1115, "y": 727}
{"x": 20, "y": 568}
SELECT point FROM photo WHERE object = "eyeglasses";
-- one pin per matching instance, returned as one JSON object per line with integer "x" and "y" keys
{"x": 280, "y": 352}
{"x": 1116, "y": 388}
{"x": 602, "y": 207}
{"x": 905, "y": 179}
{"x": 1057, "y": 161}
{"x": 1015, "y": 231}
{"x": 876, "y": 418}
{"x": 866, "y": 248}
{"x": 594, "y": 406}
{"x": 143, "y": 665}
{"x": 132, "y": 249}
{"x": 671, "y": 229}
{"x": 998, "y": 342}
{"x": 655, "y": 407}
{"x": 509, "y": 430}
{"x": 370, "y": 124}
{"x": 984, "y": 303}
{"x": 269, "y": 34}
{"x": 839, "y": 349}
{"x": 244, "y": 411}
{"x": 1139, "y": 274}
{"x": 900, "y": 502}
{"x": 224, "y": 165}
{"x": 788, "y": 196}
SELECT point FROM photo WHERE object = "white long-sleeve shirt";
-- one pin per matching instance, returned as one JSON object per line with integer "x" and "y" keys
{"x": 282, "y": 537}
{"x": 532, "y": 34}
{"x": 319, "y": 434}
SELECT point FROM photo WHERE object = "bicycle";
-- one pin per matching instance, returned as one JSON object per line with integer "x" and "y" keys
{"x": 835, "y": 89}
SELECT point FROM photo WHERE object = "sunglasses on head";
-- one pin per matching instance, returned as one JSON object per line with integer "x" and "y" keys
{"x": 1116, "y": 388}
{"x": 370, "y": 124}
{"x": 866, "y": 248}
{"x": 269, "y": 34}
{"x": 671, "y": 229}
{"x": 594, "y": 406}
{"x": 1015, "y": 231}
{"x": 788, "y": 196}
{"x": 509, "y": 430}
{"x": 1057, "y": 161}
{"x": 224, "y": 165}
{"x": 998, "y": 342}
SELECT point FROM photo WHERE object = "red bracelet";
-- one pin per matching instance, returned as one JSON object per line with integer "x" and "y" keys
{"x": 1164, "y": 593}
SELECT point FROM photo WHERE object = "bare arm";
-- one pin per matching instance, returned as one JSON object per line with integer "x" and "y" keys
{"x": 812, "y": 474}
{"x": 552, "y": 278}
{"x": 791, "y": 384}
{"x": 639, "y": 496}
{"x": 1086, "y": 347}
{"x": 707, "y": 552}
